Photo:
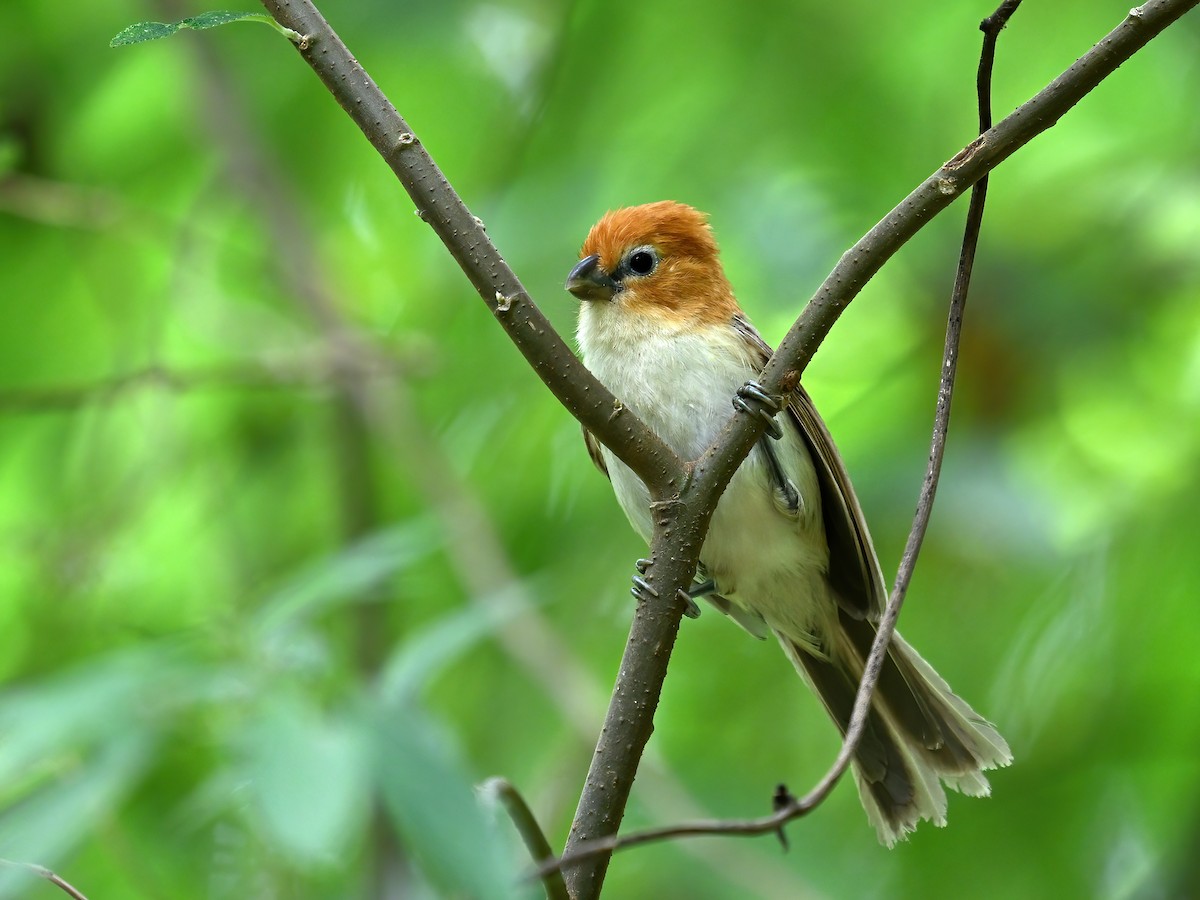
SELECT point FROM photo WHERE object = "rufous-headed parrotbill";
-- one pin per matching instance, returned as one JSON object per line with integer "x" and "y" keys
{"x": 788, "y": 551}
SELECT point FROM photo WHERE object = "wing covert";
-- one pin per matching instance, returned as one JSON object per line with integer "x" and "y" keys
{"x": 854, "y": 570}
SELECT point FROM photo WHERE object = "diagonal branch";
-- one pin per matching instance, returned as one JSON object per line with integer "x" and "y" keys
{"x": 860, "y": 263}
{"x": 791, "y": 807}
{"x": 466, "y": 238}
{"x": 687, "y": 495}
{"x": 631, "y": 713}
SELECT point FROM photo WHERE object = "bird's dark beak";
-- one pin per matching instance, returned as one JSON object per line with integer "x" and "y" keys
{"x": 588, "y": 281}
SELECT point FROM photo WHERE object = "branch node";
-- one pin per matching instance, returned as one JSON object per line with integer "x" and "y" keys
{"x": 503, "y": 303}
{"x": 406, "y": 139}
{"x": 479, "y": 222}
{"x": 995, "y": 23}
{"x": 965, "y": 154}
{"x": 667, "y": 506}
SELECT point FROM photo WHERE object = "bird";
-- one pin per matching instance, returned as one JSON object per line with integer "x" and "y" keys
{"x": 787, "y": 552}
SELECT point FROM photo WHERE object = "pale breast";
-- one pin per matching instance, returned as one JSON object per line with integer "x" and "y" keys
{"x": 681, "y": 383}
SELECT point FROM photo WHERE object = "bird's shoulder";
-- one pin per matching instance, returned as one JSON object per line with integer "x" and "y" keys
{"x": 854, "y": 570}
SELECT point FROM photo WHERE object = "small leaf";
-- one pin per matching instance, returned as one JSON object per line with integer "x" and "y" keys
{"x": 309, "y": 775}
{"x": 142, "y": 31}
{"x": 437, "y": 646}
{"x": 48, "y": 824}
{"x": 348, "y": 576}
{"x": 213, "y": 19}
{"x": 431, "y": 799}
{"x": 152, "y": 31}
{"x": 65, "y": 715}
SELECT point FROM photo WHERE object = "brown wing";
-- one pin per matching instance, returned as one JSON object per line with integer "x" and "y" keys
{"x": 854, "y": 569}
{"x": 593, "y": 449}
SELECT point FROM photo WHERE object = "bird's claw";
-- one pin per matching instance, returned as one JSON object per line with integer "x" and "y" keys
{"x": 752, "y": 398}
{"x": 644, "y": 592}
{"x": 690, "y": 609}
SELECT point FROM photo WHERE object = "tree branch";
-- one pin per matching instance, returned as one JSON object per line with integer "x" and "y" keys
{"x": 467, "y": 240}
{"x": 788, "y": 807}
{"x": 630, "y": 717}
{"x": 679, "y": 530}
{"x": 603, "y": 802}
{"x": 860, "y": 263}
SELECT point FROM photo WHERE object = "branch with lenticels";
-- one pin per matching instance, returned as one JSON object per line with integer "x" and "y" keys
{"x": 786, "y": 806}
{"x": 631, "y": 714}
{"x": 685, "y": 494}
{"x": 467, "y": 240}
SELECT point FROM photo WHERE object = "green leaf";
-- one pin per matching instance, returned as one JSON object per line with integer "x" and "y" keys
{"x": 65, "y": 715}
{"x": 47, "y": 825}
{"x": 309, "y": 776}
{"x": 432, "y": 801}
{"x": 437, "y": 646}
{"x": 350, "y": 575}
{"x": 152, "y": 31}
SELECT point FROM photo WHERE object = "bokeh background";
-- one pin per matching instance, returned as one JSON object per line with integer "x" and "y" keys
{"x": 295, "y": 550}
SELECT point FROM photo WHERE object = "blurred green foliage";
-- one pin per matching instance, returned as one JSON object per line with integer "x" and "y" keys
{"x": 274, "y": 595}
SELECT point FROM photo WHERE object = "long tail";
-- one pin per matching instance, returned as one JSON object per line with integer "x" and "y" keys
{"x": 919, "y": 733}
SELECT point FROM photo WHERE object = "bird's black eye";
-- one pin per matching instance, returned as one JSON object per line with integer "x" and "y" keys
{"x": 643, "y": 261}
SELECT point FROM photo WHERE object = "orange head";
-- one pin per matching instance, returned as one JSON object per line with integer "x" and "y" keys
{"x": 659, "y": 260}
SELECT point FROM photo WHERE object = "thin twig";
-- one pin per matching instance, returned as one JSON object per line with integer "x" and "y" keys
{"x": 531, "y": 833}
{"x": 603, "y": 801}
{"x": 43, "y": 872}
{"x": 860, "y": 263}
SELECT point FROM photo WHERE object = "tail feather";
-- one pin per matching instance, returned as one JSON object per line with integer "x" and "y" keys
{"x": 957, "y": 739}
{"x": 978, "y": 745}
{"x": 919, "y": 733}
{"x": 878, "y": 759}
